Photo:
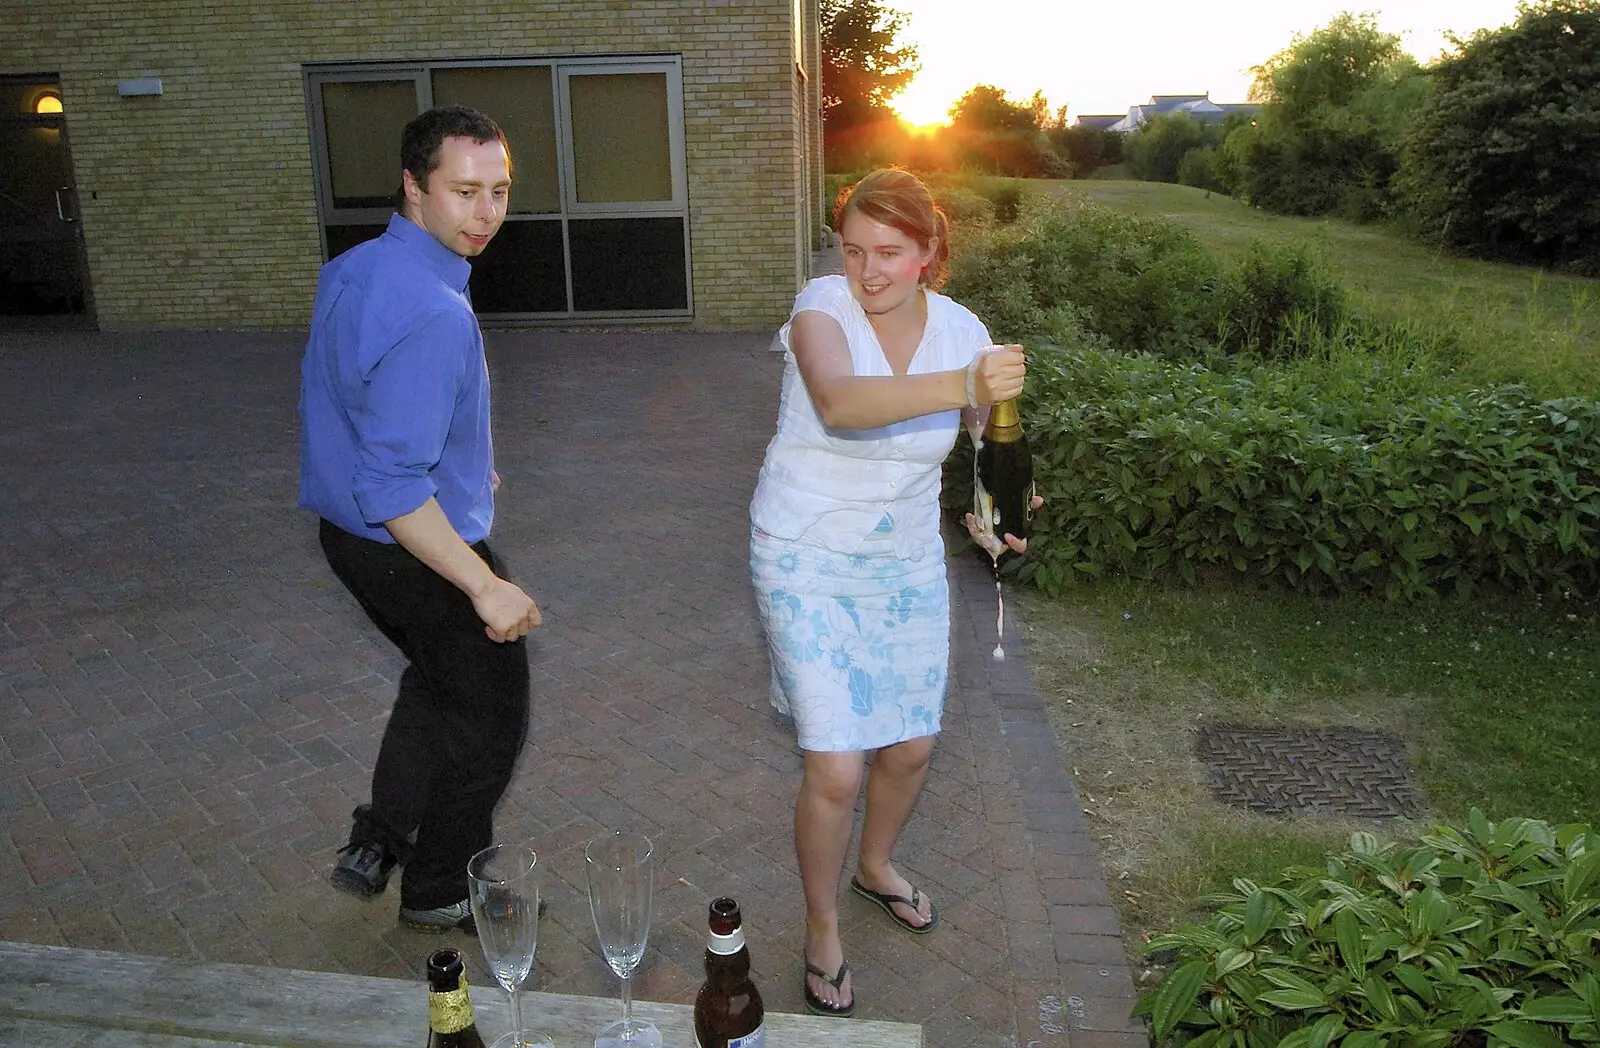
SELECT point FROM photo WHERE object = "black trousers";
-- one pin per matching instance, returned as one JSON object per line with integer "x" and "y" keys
{"x": 458, "y": 724}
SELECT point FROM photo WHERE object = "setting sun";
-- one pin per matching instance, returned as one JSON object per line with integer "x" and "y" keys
{"x": 925, "y": 105}
{"x": 1091, "y": 63}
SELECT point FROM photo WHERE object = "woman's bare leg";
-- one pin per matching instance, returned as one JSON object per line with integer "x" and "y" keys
{"x": 823, "y": 814}
{"x": 892, "y": 788}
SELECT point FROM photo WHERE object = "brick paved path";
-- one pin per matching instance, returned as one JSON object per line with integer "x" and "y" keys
{"x": 191, "y": 705}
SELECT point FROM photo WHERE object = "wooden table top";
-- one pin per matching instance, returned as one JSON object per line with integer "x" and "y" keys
{"x": 55, "y": 997}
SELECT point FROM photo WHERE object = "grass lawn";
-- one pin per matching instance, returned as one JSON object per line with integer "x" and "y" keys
{"x": 1520, "y": 324}
{"x": 1497, "y": 699}
{"x": 1499, "y": 703}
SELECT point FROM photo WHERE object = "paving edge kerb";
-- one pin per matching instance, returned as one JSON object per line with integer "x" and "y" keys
{"x": 1093, "y": 989}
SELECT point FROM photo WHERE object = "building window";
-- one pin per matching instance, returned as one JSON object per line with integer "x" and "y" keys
{"x": 598, "y": 223}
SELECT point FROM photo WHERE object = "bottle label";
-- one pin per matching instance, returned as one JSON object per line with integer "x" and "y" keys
{"x": 726, "y": 945}
{"x": 756, "y": 1038}
{"x": 450, "y": 1011}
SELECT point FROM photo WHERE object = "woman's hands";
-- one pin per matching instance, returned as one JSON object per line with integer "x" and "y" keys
{"x": 986, "y": 538}
{"x": 998, "y": 374}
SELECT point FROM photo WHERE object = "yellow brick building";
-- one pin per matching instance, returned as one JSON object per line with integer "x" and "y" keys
{"x": 191, "y": 163}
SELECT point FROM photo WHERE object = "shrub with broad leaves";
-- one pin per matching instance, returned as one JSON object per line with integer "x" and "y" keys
{"x": 1482, "y": 935}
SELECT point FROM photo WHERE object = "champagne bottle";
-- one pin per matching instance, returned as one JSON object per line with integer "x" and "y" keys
{"x": 450, "y": 1023}
{"x": 728, "y": 1011}
{"x": 1003, "y": 480}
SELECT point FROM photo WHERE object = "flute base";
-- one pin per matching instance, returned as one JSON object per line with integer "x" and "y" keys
{"x": 629, "y": 1033}
{"x": 530, "y": 1039}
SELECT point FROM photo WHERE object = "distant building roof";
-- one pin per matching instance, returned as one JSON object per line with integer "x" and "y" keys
{"x": 1200, "y": 107}
{"x": 1097, "y": 121}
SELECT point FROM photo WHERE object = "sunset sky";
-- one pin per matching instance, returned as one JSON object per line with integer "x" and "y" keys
{"x": 1104, "y": 57}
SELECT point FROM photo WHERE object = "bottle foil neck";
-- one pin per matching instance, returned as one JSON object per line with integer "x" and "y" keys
{"x": 450, "y": 1011}
{"x": 1005, "y": 415}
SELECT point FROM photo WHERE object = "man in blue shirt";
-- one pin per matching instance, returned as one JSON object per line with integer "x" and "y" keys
{"x": 397, "y": 461}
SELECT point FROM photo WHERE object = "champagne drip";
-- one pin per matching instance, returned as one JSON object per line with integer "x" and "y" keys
{"x": 999, "y": 651}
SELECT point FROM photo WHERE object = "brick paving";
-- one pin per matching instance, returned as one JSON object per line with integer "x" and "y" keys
{"x": 192, "y": 704}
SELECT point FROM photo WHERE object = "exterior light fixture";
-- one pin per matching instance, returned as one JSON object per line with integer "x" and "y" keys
{"x": 47, "y": 104}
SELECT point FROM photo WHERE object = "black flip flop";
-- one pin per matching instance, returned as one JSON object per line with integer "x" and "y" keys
{"x": 887, "y": 901}
{"x": 817, "y": 1004}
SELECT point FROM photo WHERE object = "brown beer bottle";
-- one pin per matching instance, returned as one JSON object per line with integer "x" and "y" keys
{"x": 728, "y": 1011}
{"x": 450, "y": 1023}
{"x": 1003, "y": 487}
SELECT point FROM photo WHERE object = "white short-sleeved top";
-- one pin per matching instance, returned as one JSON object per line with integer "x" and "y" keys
{"x": 834, "y": 486}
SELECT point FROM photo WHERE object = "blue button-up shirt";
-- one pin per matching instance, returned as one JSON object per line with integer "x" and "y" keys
{"x": 394, "y": 394}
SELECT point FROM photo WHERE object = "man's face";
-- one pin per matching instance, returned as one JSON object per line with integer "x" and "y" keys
{"x": 465, "y": 201}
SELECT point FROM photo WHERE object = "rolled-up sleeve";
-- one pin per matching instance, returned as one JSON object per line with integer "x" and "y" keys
{"x": 402, "y": 415}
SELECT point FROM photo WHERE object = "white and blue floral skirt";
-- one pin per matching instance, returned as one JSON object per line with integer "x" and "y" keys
{"x": 859, "y": 642}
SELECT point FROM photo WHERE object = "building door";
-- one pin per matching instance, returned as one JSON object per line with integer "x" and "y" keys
{"x": 42, "y": 268}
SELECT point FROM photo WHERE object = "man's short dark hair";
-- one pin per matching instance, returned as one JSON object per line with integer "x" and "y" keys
{"x": 422, "y": 137}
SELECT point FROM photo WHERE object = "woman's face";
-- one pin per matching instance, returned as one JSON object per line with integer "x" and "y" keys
{"x": 883, "y": 265}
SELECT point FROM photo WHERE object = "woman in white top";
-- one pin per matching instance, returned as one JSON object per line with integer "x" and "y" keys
{"x": 845, "y": 549}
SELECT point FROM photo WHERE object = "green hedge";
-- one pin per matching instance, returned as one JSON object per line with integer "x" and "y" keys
{"x": 1185, "y": 412}
{"x": 1149, "y": 467}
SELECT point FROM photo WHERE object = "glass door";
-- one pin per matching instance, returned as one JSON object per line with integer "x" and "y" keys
{"x": 599, "y": 217}
{"x": 42, "y": 268}
{"x": 628, "y": 229}
{"x": 357, "y": 119}
{"x": 524, "y": 270}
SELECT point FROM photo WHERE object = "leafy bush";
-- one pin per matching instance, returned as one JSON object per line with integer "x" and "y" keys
{"x": 1274, "y": 296}
{"x": 1357, "y": 462}
{"x": 965, "y": 207}
{"x": 1485, "y": 934}
{"x": 1144, "y": 285}
{"x": 1155, "y": 152}
{"x": 1065, "y": 272}
{"x": 1501, "y": 160}
{"x": 1017, "y": 154}
{"x": 1006, "y": 196}
{"x": 1086, "y": 148}
{"x": 1195, "y": 169}
{"x": 1354, "y": 476}
{"x": 1338, "y": 103}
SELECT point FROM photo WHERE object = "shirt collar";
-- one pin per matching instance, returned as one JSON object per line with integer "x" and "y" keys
{"x": 451, "y": 267}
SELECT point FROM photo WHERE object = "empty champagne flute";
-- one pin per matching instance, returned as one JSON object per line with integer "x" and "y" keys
{"x": 503, "y": 884}
{"x": 619, "y": 869}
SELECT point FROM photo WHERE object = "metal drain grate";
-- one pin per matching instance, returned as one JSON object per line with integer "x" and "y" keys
{"x": 1325, "y": 771}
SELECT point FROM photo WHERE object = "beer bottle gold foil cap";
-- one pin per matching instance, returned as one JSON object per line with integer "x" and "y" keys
{"x": 451, "y": 1011}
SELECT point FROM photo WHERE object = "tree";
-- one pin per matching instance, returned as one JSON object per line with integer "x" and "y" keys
{"x": 1326, "y": 68}
{"x": 862, "y": 65}
{"x": 992, "y": 134}
{"x": 986, "y": 108}
{"x": 1504, "y": 156}
{"x": 1156, "y": 150}
{"x": 1335, "y": 108}
{"x": 1086, "y": 148}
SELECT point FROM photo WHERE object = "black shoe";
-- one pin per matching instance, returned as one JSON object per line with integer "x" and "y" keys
{"x": 362, "y": 870}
